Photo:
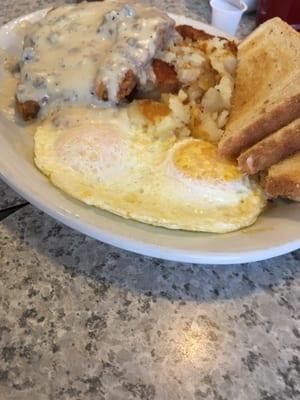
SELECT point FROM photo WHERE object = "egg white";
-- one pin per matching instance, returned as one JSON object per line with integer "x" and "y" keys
{"x": 100, "y": 158}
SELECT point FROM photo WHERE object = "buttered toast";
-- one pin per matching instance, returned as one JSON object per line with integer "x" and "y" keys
{"x": 267, "y": 88}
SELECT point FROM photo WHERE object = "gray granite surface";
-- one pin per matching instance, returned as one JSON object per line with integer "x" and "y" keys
{"x": 8, "y": 197}
{"x": 82, "y": 320}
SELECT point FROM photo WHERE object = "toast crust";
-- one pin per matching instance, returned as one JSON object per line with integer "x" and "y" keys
{"x": 271, "y": 150}
{"x": 283, "y": 186}
{"x": 283, "y": 179}
{"x": 267, "y": 123}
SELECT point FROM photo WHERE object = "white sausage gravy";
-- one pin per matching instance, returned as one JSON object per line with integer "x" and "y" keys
{"x": 74, "y": 47}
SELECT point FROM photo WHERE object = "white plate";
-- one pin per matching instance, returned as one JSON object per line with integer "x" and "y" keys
{"x": 276, "y": 232}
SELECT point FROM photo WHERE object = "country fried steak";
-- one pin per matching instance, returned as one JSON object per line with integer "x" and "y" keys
{"x": 136, "y": 52}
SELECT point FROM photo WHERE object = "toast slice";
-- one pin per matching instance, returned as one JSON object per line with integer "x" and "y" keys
{"x": 283, "y": 179}
{"x": 267, "y": 91}
{"x": 272, "y": 149}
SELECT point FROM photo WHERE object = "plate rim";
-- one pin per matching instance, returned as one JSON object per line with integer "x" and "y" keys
{"x": 148, "y": 250}
{"x": 132, "y": 244}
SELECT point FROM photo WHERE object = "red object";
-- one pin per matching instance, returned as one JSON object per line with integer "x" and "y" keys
{"x": 288, "y": 10}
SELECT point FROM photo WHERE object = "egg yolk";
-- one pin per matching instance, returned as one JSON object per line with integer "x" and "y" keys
{"x": 198, "y": 159}
{"x": 153, "y": 110}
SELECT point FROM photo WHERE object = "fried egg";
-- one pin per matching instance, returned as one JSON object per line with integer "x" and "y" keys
{"x": 102, "y": 158}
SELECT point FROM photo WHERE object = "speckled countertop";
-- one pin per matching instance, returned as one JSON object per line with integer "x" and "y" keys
{"x": 83, "y": 320}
